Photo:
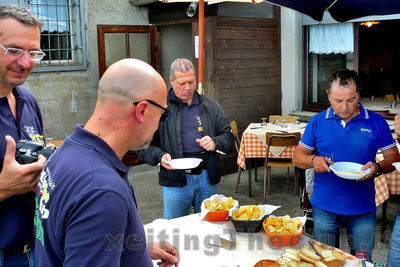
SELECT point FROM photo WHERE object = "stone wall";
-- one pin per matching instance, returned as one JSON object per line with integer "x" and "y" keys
{"x": 67, "y": 98}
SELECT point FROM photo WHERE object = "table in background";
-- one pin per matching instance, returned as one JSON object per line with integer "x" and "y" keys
{"x": 253, "y": 144}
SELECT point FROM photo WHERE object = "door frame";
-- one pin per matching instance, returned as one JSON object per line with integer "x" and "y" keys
{"x": 127, "y": 29}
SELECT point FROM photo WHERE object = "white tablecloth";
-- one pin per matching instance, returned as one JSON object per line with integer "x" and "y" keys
{"x": 192, "y": 237}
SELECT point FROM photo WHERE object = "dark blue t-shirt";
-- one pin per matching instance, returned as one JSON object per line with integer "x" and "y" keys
{"x": 86, "y": 213}
{"x": 16, "y": 212}
{"x": 192, "y": 127}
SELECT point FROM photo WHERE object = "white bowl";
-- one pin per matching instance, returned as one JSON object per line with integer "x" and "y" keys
{"x": 397, "y": 165}
{"x": 349, "y": 170}
{"x": 184, "y": 163}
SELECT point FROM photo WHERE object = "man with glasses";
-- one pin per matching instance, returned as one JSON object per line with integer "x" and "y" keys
{"x": 86, "y": 211}
{"x": 196, "y": 128}
{"x": 20, "y": 118}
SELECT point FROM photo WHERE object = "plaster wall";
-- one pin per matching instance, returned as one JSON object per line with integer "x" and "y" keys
{"x": 68, "y": 98}
{"x": 291, "y": 53}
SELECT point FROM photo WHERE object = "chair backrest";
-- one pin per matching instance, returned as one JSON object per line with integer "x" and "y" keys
{"x": 235, "y": 132}
{"x": 280, "y": 119}
{"x": 282, "y": 139}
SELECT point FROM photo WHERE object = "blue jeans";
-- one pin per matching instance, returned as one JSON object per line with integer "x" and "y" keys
{"x": 394, "y": 249}
{"x": 18, "y": 260}
{"x": 360, "y": 229}
{"x": 179, "y": 200}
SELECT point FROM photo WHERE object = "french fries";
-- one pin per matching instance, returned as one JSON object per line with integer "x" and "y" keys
{"x": 282, "y": 225}
{"x": 219, "y": 205}
{"x": 246, "y": 213}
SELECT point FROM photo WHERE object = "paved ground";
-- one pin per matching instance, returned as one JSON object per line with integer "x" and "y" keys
{"x": 144, "y": 179}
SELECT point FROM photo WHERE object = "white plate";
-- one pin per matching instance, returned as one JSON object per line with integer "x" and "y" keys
{"x": 184, "y": 163}
{"x": 397, "y": 165}
{"x": 349, "y": 170}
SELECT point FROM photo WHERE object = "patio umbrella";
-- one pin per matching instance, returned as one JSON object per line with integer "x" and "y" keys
{"x": 201, "y": 32}
{"x": 341, "y": 10}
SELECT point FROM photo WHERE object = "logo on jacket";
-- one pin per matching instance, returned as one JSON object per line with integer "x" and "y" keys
{"x": 30, "y": 130}
{"x": 199, "y": 128}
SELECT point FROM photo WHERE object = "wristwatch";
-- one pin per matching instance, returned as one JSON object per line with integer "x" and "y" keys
{"x": 380, "y": 170}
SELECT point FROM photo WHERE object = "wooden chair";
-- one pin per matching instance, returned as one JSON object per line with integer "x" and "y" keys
{"x": 280, "y": 119}
{"x": 235, "y": 132}
{"x": 279, "y": 139}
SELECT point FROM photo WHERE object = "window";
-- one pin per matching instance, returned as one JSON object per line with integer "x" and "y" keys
{"x": 62, "y": 37}
{"x": 320, "y": 65}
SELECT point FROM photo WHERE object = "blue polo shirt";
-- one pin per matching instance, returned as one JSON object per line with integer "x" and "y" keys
{"x": 192, "y": 128}
{"x": 16, "y": 212}
{"x": 356, "y": 141}
{"x": 86, "y": 213}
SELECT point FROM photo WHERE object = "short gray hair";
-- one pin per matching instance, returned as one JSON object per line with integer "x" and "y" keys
{"x": 20, "y": 13}
{"x": 181, "y": 65}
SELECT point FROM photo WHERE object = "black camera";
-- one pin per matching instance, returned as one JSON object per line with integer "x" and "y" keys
{"x": 28, "y": 151}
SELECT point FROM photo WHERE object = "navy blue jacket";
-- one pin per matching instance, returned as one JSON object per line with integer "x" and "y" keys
{"x": 16, "y": 212}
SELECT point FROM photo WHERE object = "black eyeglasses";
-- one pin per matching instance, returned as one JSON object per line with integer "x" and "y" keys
{"x": 164, "y": 116}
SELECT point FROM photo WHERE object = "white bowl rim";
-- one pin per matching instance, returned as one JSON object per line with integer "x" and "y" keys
{"x": 195, "y": 162}
{"x": 355, "y": 167}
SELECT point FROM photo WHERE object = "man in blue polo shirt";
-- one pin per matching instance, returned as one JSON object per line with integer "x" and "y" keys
{"x": 86, "y": 212}
{"x": 350, "y": 133}
{"x": 197, "y": 128}
{"x": 20, "y": 118}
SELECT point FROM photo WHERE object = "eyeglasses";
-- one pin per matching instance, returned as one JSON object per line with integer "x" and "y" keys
{"x": 166, "y": 114}
{"x": 35, "y": 55}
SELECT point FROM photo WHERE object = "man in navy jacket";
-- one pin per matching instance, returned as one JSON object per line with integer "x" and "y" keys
{"x": 20, "y": 118}
{"x": 197, "y": 128}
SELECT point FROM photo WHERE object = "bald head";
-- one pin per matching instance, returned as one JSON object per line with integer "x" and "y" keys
{"x": 129, "y": 79}
{"x": 120, "y": 123}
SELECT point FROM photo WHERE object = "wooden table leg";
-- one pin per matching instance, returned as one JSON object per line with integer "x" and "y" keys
{"x": 249, "y": 172}
{"x": 255, "y": 170}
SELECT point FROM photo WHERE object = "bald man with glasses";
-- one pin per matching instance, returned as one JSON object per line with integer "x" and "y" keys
{"x": 20, "y": 118}
{"x": 86, "y": 212}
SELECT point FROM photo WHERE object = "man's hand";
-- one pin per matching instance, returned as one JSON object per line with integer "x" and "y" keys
{"x": 374, "y": 169}
{"x": 320, "y": 164}
{"x": 165, "y": 252}
{"x": 15, "y": 178}
{"x": 164, "y": 161}
{"x": 397, "y": 125}
{"x": 207, "y": 143}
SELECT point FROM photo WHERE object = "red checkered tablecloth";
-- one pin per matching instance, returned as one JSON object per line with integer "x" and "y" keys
{"x": 393, "y": 182}
{"x": 381, "y": 190}
{"x": 252, "y": 147}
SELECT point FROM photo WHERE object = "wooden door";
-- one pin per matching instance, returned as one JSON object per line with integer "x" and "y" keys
{"x": 116, "y": 42}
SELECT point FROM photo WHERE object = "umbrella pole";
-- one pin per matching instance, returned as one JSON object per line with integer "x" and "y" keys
{"x": 201, "y": 47}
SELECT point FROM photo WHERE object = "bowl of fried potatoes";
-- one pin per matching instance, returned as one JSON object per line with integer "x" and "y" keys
{"x": 284, "y": 230}
{"x": 216, "y": 207}
{"x": 248, "y": 218}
